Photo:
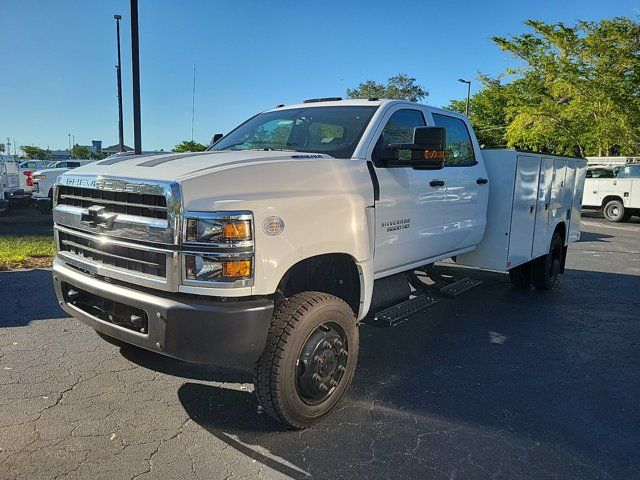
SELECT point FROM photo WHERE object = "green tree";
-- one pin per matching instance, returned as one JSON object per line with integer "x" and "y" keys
{"x": 34, "y": 153}
{"x": 575, "y": 90}
{"x": 80, "y": 151}
{"x": 189, "y": 146}
{"x": 487, "y": 111}
{"x": 398, "y": 87}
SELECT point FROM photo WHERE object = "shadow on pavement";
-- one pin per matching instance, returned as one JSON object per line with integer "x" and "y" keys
{"x": 489, "y": 375}
{"x": 176, "y": 368}
{"x": 27, "y": 295}
{"x": 594, "y": 237}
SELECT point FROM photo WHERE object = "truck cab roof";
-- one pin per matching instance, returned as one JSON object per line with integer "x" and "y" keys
{"x": 362, "y": 102}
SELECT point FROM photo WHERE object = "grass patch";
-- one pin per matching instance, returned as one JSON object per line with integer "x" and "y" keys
{"x": 26, "y": 251}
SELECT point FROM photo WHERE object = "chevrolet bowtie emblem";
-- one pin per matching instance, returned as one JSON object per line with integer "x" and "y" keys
{"x": 97, "y": 216}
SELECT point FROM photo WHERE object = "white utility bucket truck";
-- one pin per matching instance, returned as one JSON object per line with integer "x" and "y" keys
{"x": 271, "y": 247}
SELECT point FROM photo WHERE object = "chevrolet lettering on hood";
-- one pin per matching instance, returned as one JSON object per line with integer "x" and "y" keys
{"x": 115, "y": 185}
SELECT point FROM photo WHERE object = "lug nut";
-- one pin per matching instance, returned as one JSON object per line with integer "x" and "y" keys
{"x": 343, "y": 352}
{"x": 317, "y": 377}
{"x": 333, "y": 383}
{"x": 318, "y": 359}
{"x": 323, "y": 387}
{"x": 341, "y": 368}
{"x": 337, "y": 342}
{"x": 326, "y": 344}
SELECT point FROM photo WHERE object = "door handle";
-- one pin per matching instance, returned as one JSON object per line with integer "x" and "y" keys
{"x": 482, "y": 181}
{"x": 437, "y": 183}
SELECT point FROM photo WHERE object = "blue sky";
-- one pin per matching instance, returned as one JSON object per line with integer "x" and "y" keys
{"x": 57, "y": 73}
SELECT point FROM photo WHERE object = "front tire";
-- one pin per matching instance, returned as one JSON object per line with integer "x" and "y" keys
{"x": 309, "y": 358}
{"x": 546, "y": 269}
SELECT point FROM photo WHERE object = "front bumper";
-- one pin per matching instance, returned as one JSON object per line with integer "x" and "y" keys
{"x": 185, "y": 327}
{"x": 17, "y": 196}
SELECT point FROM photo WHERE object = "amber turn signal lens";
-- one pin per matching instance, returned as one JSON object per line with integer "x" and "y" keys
{"x": 235, "y": 269}
{"x": 240, "y": 230}
{"x": 433, "y": 154}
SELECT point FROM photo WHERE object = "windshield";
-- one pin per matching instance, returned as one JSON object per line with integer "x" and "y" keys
{"x": 331, "y": 130}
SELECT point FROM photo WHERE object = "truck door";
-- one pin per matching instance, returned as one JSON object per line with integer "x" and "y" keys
{"x": 623, "y": 186}
{"x": 410, "y": 210}
{"x": 467, "y": 188}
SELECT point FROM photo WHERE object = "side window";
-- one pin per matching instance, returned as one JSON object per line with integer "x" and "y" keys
{"x": 72, "y": 164}
{"x": 399, "y": 129}
{"x": 459, "y": 147}
{"x": 629, "y": 171}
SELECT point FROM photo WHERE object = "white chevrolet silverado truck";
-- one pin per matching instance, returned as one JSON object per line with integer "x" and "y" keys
{"x": 270, "y": 248}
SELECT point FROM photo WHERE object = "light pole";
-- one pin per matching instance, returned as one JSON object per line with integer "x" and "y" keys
{"x": 119, "y": 72}
{"x": 135, "y": 70}
{"x": 468, "y": 82}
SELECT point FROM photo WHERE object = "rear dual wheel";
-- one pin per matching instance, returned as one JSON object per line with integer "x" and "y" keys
{"x": 309, "y": 358}
{"x": 546, "y": 269}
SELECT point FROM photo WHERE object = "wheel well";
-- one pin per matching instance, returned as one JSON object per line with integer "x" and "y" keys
{"x": 608, "y": 198}
{"x": 562, "y": 229}
{"x": 335, "y": 274}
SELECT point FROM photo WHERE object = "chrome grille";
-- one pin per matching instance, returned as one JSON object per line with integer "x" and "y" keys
{"x": 135, "y": 204}
{"x": 134, "y": 259}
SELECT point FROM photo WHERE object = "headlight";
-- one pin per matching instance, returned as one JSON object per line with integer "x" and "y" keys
{"x": 220, "y": 252}
{"x": 39, "y": 177}
{"x": 207, "y": 268}
{"x": 219, "y": 228}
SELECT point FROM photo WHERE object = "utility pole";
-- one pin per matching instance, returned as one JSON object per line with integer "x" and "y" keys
{"x": 193, "y": 101}
{"x": 135, "y": 64}
{"x": 119, "y": 72}
{"x": 468, "y": 82}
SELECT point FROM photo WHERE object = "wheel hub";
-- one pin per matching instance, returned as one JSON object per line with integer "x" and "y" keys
{"x": 321, "y": 364}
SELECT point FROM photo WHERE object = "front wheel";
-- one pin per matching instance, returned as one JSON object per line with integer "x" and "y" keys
{"x": 309, "y": 358}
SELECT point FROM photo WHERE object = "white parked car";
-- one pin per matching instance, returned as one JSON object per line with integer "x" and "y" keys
{"x": 613, "y": 190}
{"x": 270, "y": 248}
{"x": 45, "y": 179}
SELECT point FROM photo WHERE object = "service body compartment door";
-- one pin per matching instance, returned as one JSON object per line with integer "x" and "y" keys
{"x": 580, "y": 171}
{"x": 557, "y": 208}
{"x": 523, "y": 218}
{"x": 540, "y": 244}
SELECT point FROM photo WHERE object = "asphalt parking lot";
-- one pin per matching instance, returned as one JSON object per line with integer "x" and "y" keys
{"x": 498, "y": 383}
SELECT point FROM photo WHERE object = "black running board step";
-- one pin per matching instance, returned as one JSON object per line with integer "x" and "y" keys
{"x": 399, "y": 312}
{"x": 456, "y": 288}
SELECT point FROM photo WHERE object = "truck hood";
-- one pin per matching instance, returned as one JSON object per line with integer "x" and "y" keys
{"x": 240, "y": 180}
{"x": 181, "y": 166}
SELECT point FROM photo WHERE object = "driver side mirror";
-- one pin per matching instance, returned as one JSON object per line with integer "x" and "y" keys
{"x": 427, "y": 149}
{"x": 216, "y": 137}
